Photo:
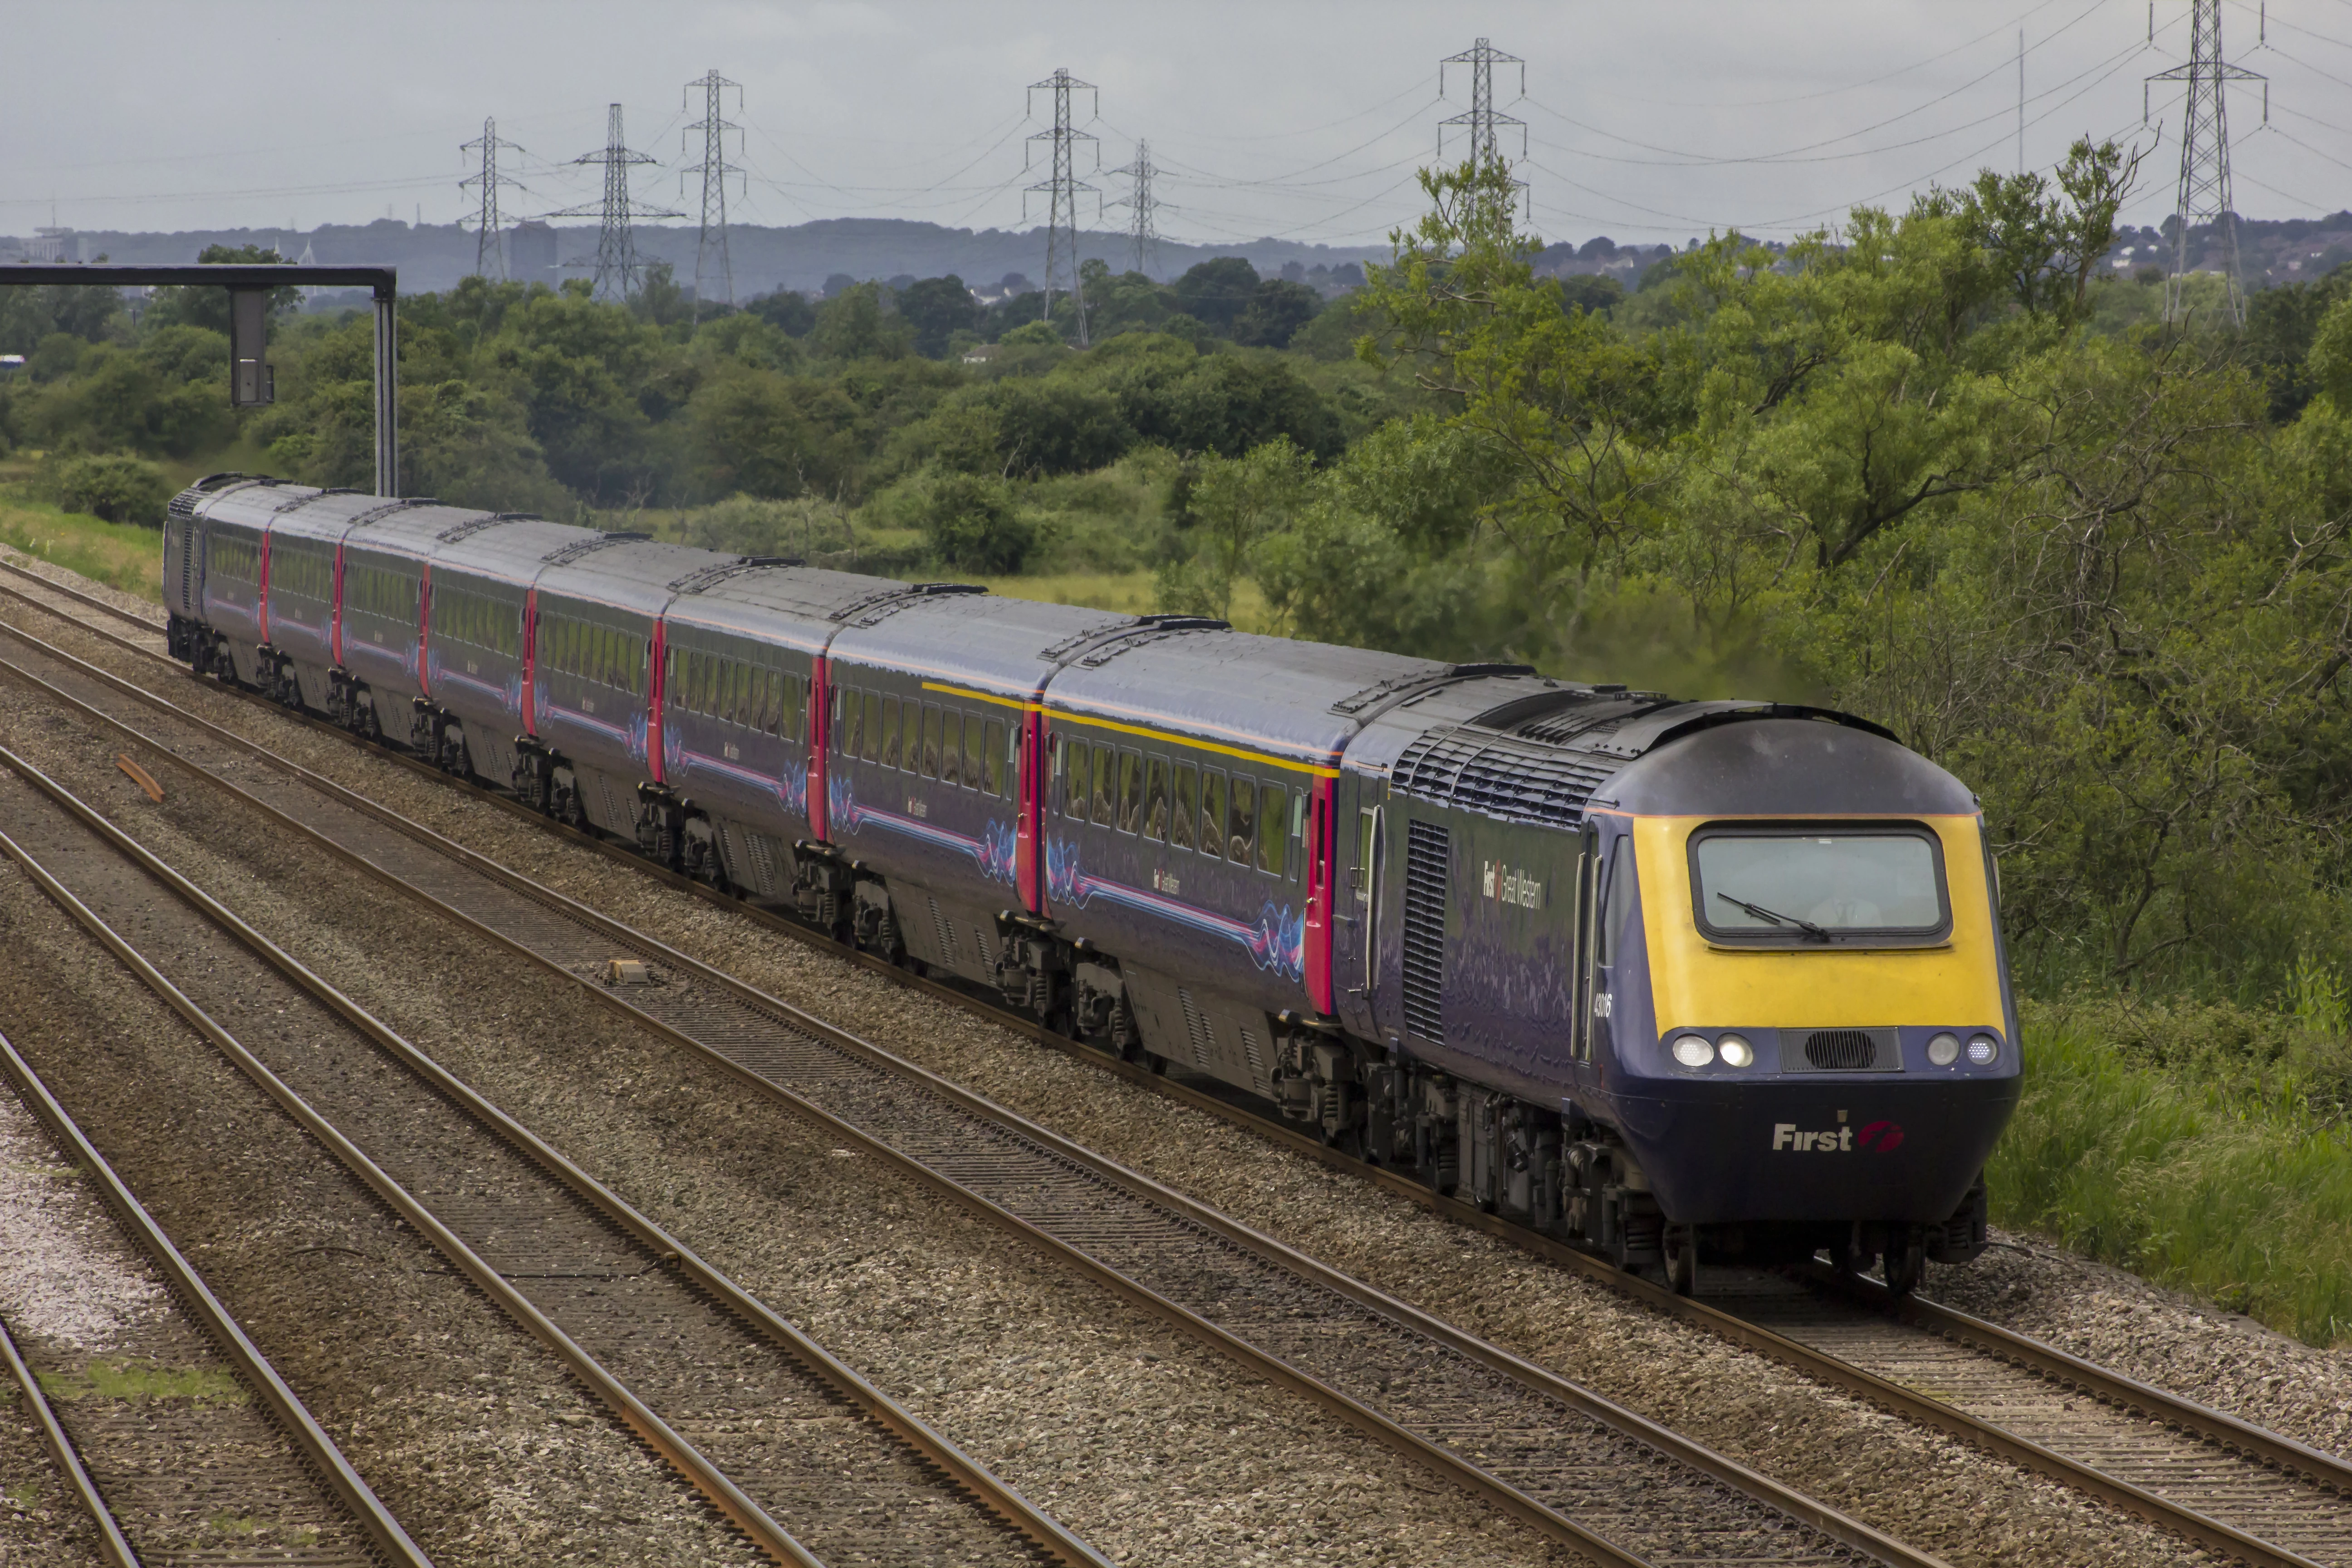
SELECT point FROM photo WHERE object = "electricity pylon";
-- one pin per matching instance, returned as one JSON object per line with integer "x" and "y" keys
{"x": 1061, "y": 191}
{"x": 710, "y": 250}
{"x": 616, "y": 265}
{"x": 1482, "y": 119}
{"x": 1143, "y": 228}
{"x": 2205, "y": 156}
{"x": 489, "y": 243}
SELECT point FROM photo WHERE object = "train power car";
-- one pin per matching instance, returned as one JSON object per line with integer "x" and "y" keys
{"x": 1661, "y": 978}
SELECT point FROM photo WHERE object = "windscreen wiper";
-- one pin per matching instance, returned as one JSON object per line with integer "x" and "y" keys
{"x": 1761, "y": 913}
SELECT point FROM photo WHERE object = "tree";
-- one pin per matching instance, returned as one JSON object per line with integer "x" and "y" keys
{"x": 1217, "y": 292}
{"x": 1236, "y": 505}
{"x": 1276, "y": 310}
{"x": 971, "y": 521}
{"x": 854, "y": 324}
{"x": 197, "y": 306}
{"x": 937, "y": 309}
{"x": 789, "y": 312}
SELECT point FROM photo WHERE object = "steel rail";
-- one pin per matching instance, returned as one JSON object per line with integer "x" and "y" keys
{"x": 994, "y": 1493}
{"x": 1750, "y": 1483}
{"x": 2171, "y": 1409}
{"x": 110, "y": 1539}
{"x": 310, "y": 1441}
{"x": 745, "y": 1514}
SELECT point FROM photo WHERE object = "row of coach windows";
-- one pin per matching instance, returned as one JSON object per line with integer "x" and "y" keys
{"x": 1182, "y": 804}
{"x": 927, "y": 738}
{"x": 735, "y": 691}
{"x": 239, "y": 559}
{"x": 370, "y": 590}
{"x": 305, "y": 571}
{"x": 607, "y": 655}
{"x": 470, "y": 615}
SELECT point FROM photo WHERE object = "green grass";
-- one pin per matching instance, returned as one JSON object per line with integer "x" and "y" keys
{"x": 119, "y": 554}
{"x": 131, "y": 1381}
{"x": 2229, "y": 1184}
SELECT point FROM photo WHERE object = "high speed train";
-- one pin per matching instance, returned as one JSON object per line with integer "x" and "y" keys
{"x": 1662, "y": 978}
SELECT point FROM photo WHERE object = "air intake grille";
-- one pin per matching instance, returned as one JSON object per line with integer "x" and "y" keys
{"x": 1841, "y": 1050}
{"x": 1501, "y": 777}
{"x": 1428, "y": 867}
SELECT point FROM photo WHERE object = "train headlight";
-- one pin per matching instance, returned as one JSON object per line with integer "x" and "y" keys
{"x": 1736, "y": 1051}
{"x": 1983, "y": 1049}
{"x": 1943, "y": 1049}
{"x": 1692, "y": 1052}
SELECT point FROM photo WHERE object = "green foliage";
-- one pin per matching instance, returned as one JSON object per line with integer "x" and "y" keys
{"x": 2178, "y": 1149}
{"x": 857, "y": 324}
{"x": 937, "y": 309}
{"x": 115, "y": 489}
{"x": 973, "y": 523}
{"x": 197, "y": 305}
{"x": 1236, "y": 506}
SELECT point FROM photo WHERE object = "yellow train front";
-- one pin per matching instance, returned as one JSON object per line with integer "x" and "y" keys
{"x": 1685, "y": 980}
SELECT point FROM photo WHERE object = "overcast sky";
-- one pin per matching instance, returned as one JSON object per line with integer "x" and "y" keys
{"x": 1644, "y": 122}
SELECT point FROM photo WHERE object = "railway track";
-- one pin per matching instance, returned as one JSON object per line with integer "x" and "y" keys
{"x": 808, "y": 1460}
{"x": 1605, "y": 1481}
{"x": 2222, "y": 1482}
{"x": 180, "y": 1440}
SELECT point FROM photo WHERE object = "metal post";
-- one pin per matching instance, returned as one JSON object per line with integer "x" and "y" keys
{"x": 387, "y": 397}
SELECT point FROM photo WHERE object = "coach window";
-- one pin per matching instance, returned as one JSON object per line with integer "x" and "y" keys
{"x": 1106, "y": 796}
{"x": 1155, "y": 799}
{"x": 930, "y": 742}
{"x": 1188, "y": 802}
{"x": 871, "y": 747}
{"x": 1213, "y": 811}
{"x": 852, "y": 722}
{"x": 1240, "y": 824}
{"x": 991, "y": 757}
{"x": 795, "y": 704}
{"x": 890, "y": 731}
{"x": 951, "y": 746}
{"x": 910, "y": 752}
{"x": 972, "y": 751}
{"x": 1130, "y": 790}
{"x": 1076, "y": 777}
{"x": 1272, "y": 839}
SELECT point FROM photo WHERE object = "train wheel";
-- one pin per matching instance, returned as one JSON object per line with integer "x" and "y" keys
{"x": 1682, "y": 1259}
{"x": 1905, "y": 1263}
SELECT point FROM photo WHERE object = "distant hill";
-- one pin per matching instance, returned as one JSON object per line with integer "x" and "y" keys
{"x": 434, "y": 256}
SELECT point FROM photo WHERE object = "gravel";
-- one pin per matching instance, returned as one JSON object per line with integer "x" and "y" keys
{"x": 2176, "y": 1343}
{"x": 1146, "y": 1444}
{"x": 466, "y": 1427}
{"x": 1917, "y": 1485}
{"x": 45, "y": 1247}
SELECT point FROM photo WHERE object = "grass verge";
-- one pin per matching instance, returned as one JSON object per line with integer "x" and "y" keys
{"x": 2228, "y": 1185}
{"x": 121, "y": 554}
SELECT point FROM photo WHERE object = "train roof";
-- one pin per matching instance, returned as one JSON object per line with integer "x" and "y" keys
{"x": 1204, "y": 678}
{"x": 512, "y": 547}
{"x": 782, "y": 602}
{"x": 961, "y": 636}
{"x": 625, "y": 571}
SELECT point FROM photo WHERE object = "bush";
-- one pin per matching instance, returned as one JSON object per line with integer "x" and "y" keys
{"x": 116, "y": 488}
{"x": 2234, "y": 1189}
{"x": 971, "y": 521}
